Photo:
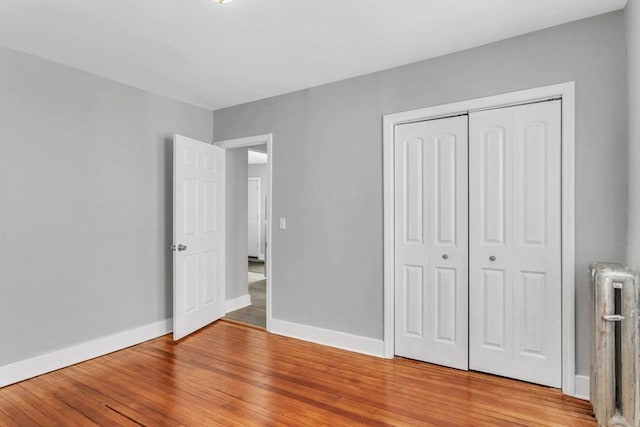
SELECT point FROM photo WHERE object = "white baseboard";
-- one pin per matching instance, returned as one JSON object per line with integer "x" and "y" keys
{"x": 38, "y": 365}
{"x": 237, "y": 303}
{"x": 328, "y": 337}
{"x": 364, "y": 345}
{"x": 582, "y": 387}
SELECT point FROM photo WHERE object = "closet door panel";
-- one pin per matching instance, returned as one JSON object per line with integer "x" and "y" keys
{"x": 537, "y": 272}
{"x": 490, "y": 236}
{"x": 431, "y": 241}
{"x": 515, "y": 248}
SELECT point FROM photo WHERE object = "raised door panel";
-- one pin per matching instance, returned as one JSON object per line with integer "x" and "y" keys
{"x": 190, "y": 273}
{"x": 189, "y": 159}
{"x": 446, "y": 307}
{"x": 493, "y": 306}
{"x": 209, "y": 214}
{"x": 208, "y": 162}
{"x": 190, "y": 207}
{"x": 532, "y": 184}
{"x": 413, "y": 300}
{"x": 493, "y": 186}
{"x": 446, "y": 210}
{"x": 413, "y": 192}
{"x": 210, "y": 261}
{"x": 533, "y": 288}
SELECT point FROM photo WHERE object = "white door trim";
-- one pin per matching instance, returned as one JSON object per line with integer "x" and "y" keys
{"x": 566, "y": 91}
{"x": 257, "y": 178}
{"x": 250, "y": 142}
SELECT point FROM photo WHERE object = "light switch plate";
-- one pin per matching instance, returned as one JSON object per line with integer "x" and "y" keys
{"x": 283, "y": 223}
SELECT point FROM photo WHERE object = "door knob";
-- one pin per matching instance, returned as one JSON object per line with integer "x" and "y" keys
{"x": 492, "y": 258}
{"x": 180, "y": 248}
{"x": 445, "y": 256}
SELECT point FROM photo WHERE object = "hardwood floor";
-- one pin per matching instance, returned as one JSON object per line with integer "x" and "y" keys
{"x": 230, "y": 374}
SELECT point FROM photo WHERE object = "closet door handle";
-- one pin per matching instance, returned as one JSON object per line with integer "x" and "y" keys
{"x": 445, "y": 256}
{"x": 492, "y": 258}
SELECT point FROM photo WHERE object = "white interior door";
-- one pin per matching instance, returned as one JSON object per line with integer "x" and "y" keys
{"x": 431, "y": 241}
{"x": 514, "y": 242}
{"x": 253, "y": 217}
{"x": 198, "y": 235}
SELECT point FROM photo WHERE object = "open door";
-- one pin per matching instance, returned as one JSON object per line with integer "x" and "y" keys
{"x": 198, "y": 235}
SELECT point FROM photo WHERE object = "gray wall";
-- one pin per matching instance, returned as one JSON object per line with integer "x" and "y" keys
{"x": 260, "y": 171}
{"x": 85, "y": 204}
{"x": 327, "y": 164}
{"x": 236, "y": 213}
{"x": 632, "y": 26}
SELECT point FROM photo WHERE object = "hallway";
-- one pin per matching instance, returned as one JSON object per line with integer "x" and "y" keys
{"x": 256, "y": 313}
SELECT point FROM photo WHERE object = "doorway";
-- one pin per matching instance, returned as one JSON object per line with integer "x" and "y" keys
{"x": 402, "y": 310}
{"x": 257, "y": 192}
{"x": 249, "y": 171}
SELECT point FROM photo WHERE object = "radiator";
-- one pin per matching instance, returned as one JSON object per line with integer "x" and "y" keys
{"x": 615, "y": 355}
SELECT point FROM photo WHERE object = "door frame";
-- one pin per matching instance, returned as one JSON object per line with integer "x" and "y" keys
{"x": 564, "y": 91}
{"x": 257, "y": 178}
{"x": 251, "y": 141}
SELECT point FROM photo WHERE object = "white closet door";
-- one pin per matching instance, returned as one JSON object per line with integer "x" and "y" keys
{"x": 431, "y": 241}
{"x": 514, "y": 242}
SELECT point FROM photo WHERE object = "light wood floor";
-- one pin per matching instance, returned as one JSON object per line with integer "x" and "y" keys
{"x": 229, "y": 374}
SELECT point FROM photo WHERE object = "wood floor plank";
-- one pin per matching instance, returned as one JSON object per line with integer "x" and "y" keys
{"x": 229, "y": 374}
{"x": 17, "y": 400}
{"x": 6, "y": 420}
{"x": 54, "y": 408}
{"x": 17, "y": 414}
{"x": 89, "y": 405}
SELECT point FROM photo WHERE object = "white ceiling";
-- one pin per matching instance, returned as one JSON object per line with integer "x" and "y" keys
{"x": 217, "y": 55}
